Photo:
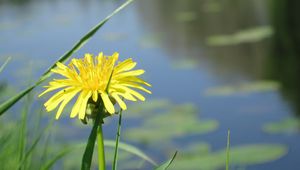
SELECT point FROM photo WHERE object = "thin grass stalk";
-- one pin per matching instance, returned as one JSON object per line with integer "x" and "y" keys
{"x": 227, "y": 150}
{"x": 4, "y": 64}
{"x": 117, "y": 142}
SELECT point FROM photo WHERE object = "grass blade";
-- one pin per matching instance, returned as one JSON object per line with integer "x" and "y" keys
{"x": 23, "y": 128}
{"x": 31, "y": 149}
{"x": 130, "y": 149}
{"x": 50, "y": 163}
{"x": 4, "y": 64}
{"x": 167, "y": 164}
{"x": 227, "y": 150}
{"x": 7, "y": 104}
{"x": 117, "y": 142}
{"x": 10, "y": 102}
{"x": 34, "y": 145}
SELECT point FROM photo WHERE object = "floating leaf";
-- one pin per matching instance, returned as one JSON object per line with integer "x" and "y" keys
{"x": 151, "y": 41}
{"x": 159, "y": 125}
{"x": 200, "y": 148}
{"x": 166, "y": 132}
{"x": 245, "y": 36}
{"x": 143, "y": 109}
{"x": 241, "y": 156}
{"x": 243, "y": 88}
{"x": 288, "y": 125}
{"x": 185, "y": 64}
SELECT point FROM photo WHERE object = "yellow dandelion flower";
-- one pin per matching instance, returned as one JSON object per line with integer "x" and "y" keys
{"x": 96, "y": 78}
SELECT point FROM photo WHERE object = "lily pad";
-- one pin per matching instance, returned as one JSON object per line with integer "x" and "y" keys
{"x": 288, "y": 125}
{"x": 239, "y": 156}
{"x": 151, "y": 41}
{"x": 250, "y": 35}
{"x": 243, "y": 88}
{"x": 185, "y": 64}
{"x": 170, "y": 122}
{"x": 143, "y": 109}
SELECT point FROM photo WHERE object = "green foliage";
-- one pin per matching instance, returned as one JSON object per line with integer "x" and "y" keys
{"x": 22, "y": 143}
{"x": 288, "y": 125}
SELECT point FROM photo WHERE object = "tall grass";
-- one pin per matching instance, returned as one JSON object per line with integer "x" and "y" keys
{"x": 22, "y": 144}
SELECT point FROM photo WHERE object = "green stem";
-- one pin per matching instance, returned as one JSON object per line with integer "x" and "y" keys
{"x": 117, "y": 142}
{"x": 227, "y": 150}
{"x": 88, "y": 153}
{"x": 101, "y": 155}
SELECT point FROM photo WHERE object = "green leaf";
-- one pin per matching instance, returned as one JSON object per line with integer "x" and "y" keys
{"x": 10, "y": 102}
{"x": 4, "y": 64}
{"x": 130, "y": 149}
{"x": 167, "y": 164}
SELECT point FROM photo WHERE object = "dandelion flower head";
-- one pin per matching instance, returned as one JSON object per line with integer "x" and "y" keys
{"x": 95, "y": 78}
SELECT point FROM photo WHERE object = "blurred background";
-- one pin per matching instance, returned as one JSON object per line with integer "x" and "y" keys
{"x": 214, "y": 65}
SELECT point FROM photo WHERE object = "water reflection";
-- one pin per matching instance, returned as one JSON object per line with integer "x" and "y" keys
{"x": 185, "y": 29}
{"x": 185, "y": 26}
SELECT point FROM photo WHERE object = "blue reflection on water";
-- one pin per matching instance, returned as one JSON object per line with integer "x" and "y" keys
{"x": 36, "y": 33}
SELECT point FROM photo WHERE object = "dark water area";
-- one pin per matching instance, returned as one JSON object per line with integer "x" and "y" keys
{"x": 233, "y": 62}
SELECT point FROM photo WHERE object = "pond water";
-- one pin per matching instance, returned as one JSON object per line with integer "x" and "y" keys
{"x": 214, "y": 65}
